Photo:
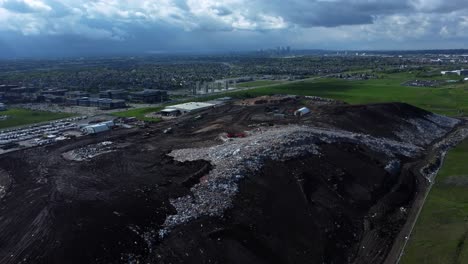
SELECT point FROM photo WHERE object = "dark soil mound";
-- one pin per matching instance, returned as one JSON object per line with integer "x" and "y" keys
{"x": 341, "y": 206}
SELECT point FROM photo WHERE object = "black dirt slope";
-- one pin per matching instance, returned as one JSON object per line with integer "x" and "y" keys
{"x": 339, "y": 207}
{"x": 375, "y": 119}
{"x": 308, "y": 210}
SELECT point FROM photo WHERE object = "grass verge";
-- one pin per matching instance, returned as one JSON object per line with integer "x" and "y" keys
{"x": 257, "y": 83}
{"x": 140, "y": 113}
{"x": 440, "y": 234}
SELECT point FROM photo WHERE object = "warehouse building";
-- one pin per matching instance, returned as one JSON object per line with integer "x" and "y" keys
{"x": 170, "y": 112}
{"x": 149, "y": 96}
{"x": 111, "y": 104}
{"x": 189, "y": 107}
{"x": 102, "y": 103}
{"x": 98, "y": 128}
{"x": 55, "y": 92}
{"x": 114, "y": 94}
{"x": 462, "y": 72}
{"x": 76, "y": 94}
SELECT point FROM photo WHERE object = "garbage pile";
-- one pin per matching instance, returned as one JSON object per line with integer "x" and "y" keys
{"x": 423, "y": 83}
{"x": 89, "y": 152}
{"x": 324, "y": 100}
{"x": 426, "y": 129}
{"x": 233, "y": 160}
{"x": 5, "y": 182}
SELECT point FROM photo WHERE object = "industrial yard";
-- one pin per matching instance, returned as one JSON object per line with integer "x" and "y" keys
{"x": 262, "y": 180}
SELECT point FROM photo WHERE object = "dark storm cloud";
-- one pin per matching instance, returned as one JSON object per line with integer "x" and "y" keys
{"x": 223, "y": 11}
{"x": 335, "y": 13}
{"x": 100, "y": 26}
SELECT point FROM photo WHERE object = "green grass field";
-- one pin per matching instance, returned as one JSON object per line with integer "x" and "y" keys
{"x": 451, "y": 100}
{"x": 139, "y": 113}
{"x": 19, "y": 117}
{"x": 445, "y": 100}
{"x": 440, "y": 234}
{"x": 257, "y": 83}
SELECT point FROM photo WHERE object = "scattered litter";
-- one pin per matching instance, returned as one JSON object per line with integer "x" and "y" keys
{"x": 89, "y": 152}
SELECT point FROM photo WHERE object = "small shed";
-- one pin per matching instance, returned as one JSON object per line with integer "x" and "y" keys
{"x": 302, "y": 111}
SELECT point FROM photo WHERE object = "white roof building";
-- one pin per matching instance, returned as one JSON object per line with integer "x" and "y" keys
{"x": 190, "y": 107}
{"x": 98, "y": 128}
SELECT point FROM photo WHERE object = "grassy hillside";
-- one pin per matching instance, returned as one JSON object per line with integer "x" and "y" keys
{"x": 441, "y": 232}
{"x": 449, "y": 100}
{"x": 139, "y": 113}
{"x": 258, "y": 83}
{"x": 443, "y": 100}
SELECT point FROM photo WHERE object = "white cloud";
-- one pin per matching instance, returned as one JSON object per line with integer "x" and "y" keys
{"x": 304, "y": 22}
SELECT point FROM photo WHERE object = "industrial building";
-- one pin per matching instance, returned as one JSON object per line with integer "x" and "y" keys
{"x": 98, "y": 128}
{"x": 170, "y": 112}
{"x": 189, "y": 107}
{"x": 114, "y": 94}
{"x": 55, "y": 92}
{"x": 176, "y": 110}
{"x": 76, "y": 94}
{"x": 111, "y": 104}
{"x": 56, "y": 99}
{"x": 149, "y": 96}
{"x": 462, "y": 72}
{"x": 102, "y": 103}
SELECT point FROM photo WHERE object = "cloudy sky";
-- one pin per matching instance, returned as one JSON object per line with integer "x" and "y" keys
{"x": 93, "y": 27}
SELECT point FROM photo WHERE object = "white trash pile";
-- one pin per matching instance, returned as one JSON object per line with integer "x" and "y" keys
{"x": 90, "y": 151}
{"x": 426, "y": 129}
{"x": 321, "y": 99}
{"x": 234, "y": 160}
